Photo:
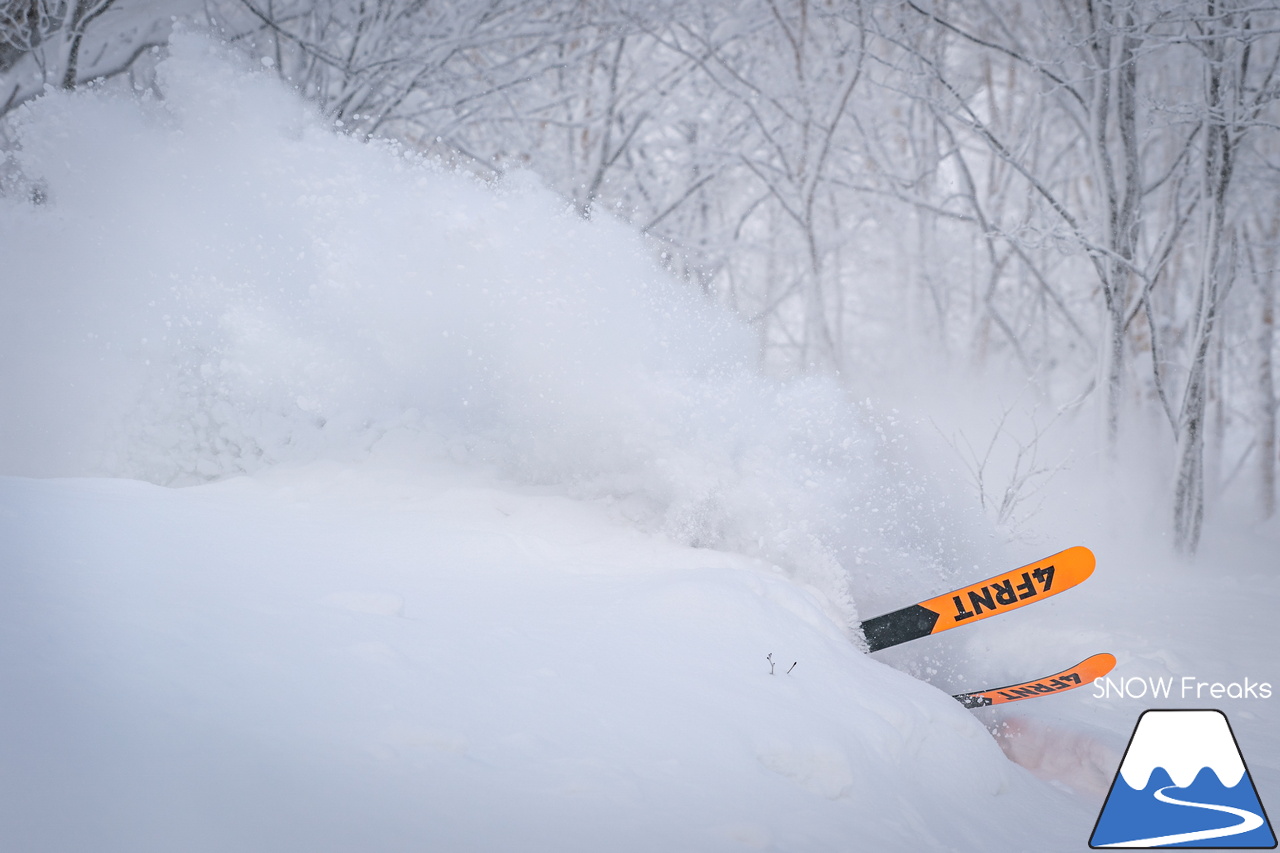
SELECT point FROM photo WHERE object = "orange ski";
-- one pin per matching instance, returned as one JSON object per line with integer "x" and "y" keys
{"x": 991, "y": 597}
{"x": 1082, "y": 673}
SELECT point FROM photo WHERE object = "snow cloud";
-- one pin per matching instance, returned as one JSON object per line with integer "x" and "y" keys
{"x": 208, "y": 283}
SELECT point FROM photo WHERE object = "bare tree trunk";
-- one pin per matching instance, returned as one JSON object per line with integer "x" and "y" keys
{"x": 819, "y": 347}
{"x": 1264, "y": 280}
{"x": 1123, "y": 193}
{"x": 1188, "y": 511}
{"x": 1189, "y": 486}
{"x": 1267, "y": 389}
{"x": 84, "y": 14}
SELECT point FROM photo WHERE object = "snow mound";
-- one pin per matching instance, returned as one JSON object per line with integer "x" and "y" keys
{"x": 331, "y": 659}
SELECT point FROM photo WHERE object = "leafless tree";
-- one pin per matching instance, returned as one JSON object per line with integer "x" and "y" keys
{"x": 1061, "y": 190}
{"x": 65, "y": 43}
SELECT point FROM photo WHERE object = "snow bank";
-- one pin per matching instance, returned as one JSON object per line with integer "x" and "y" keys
{"x": 216, "y": 282}
{"x": 338, "y": 658}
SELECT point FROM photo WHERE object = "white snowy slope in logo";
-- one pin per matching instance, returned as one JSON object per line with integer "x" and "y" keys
{"x": 1183, "y": 743}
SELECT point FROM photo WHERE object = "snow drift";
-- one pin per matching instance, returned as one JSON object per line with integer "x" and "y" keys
{"x": 217, "y": 281}
{"x": 354, "y": 658}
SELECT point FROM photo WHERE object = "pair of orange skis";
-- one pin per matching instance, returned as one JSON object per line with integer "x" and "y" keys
{"x": 991, "y": 597}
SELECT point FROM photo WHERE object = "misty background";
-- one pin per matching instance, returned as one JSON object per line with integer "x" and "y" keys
{"x": 1046, "y": 233}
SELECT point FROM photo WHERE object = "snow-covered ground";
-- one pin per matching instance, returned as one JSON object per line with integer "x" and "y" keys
{"x": 341, "y": 658}
{"x": 379, "y": 657}
{"x": 475, "y": 533}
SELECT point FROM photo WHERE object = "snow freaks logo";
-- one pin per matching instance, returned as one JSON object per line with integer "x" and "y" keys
{"x": 1189, "y": 687}
{"x": 1183, "y": 783}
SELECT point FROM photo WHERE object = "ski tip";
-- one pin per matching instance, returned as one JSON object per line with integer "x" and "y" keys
{"x": 1074, "y": 565}
{"x": 1094, "y": 667}
{"x": 1082, "y": 557}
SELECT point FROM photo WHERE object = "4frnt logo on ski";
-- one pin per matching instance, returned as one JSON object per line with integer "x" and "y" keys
{"x": 1084, "y": 672}
{"x": 991, "y": 597}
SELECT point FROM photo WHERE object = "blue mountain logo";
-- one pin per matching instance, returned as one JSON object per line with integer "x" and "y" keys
{"x": 1183, "y": 783}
